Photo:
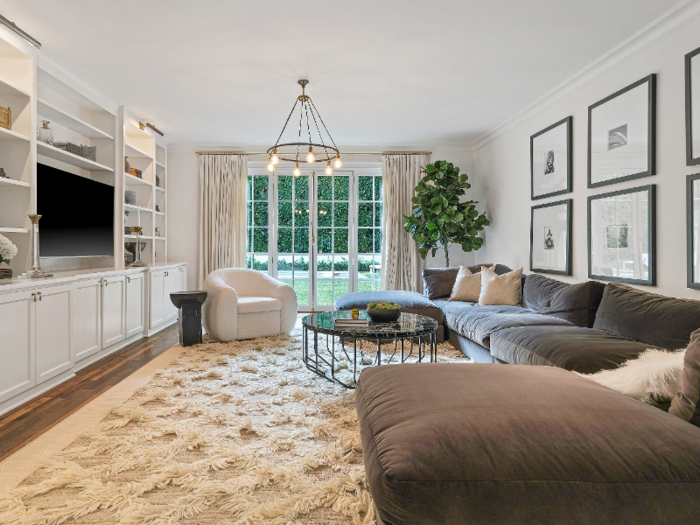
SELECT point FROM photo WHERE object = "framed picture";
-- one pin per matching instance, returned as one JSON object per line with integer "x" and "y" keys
{"x": 622, "y": 236}
{"x": 692, "y": 107}
{"x": 693, "y": 207}
{"x": 551, "y": 163}
{"x": 550, "y": 238}
{"x": 622, "y": 136}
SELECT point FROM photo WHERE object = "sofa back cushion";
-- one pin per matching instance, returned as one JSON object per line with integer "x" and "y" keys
{"x": 438, "y": 282}
{"x": 576, "y": 303}
{"x": 653, "y": 319}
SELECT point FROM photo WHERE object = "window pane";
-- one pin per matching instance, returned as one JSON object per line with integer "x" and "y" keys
{"x": 284, "y": 188}
{"x": 341, "y": 188}
{"x": 260, "y": 214}
{"x": 284, "y": 240}
{"x": 340, "y": 288}
{"x": 260, "y": 240}
{"x": 364, "y": 286}
{"x": 260, "y": 185}
{"x": 301, "y": 240}
{"x": 301, "y": 188}
{"x": 364, "y": 240}
{"x": 365, "y": 217}
{"x": 365, "y": 188}
{"x": 324, "y": 292}
{"x": 325, "y": 265}
{"x": 377, "y": 240}
{"x": 249, "y": 191}
{"x": 325, "y": 240}
{"x": 301, "y": 212}
{"x": 260, "y": 263}
{"x": 301, "y": 266}
{"x": 341, "y": 214}
{"x": 341, "y": 264}
{"x": 249, "y": 241}
{"x": 284, "y": 267}
{"x": 377, "y": 188}
{"x": 325, "y": 218}
{"x": 325, "y": 188}
{"x": 378, "y": 214}
{"x": 341, "y": 240}
{"x": 284, "y": 210}
{"x": 302, "y": 290}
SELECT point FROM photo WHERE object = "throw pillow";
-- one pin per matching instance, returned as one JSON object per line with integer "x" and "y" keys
{"x": 467, "y": 286}
{"x": 653, "y": 376}
{"x": 501, "y": 290}
{"x": 439, "y": 282}
{"x": 686, "y": 402}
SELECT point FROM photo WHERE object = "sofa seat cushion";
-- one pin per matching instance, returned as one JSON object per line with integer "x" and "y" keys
{"x": 574, "y": 348}
{"x": 253, "y": 305}
{"x": 478, "y": 322}
{"x": 478, "y": 443}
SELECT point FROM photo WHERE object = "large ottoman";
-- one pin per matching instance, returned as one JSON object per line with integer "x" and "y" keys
{"x": 411, "y": 302}
{"x": 456, "y": 444}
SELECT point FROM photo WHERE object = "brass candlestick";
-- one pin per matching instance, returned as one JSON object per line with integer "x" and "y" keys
{"x": 138, "y": 263}
{"x": 35, "y": 272}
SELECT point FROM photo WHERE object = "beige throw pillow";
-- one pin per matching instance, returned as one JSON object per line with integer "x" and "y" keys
{"x": 504, "y": 290}
{"x": 467, "y": 286}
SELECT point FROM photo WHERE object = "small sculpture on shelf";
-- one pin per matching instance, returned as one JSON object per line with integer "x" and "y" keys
{"x": 3, "y": 174}
{"x": 127, "y": 166}
{"x": 136, "y": 173}
{"x": 130, "y": 197}
{"x": 7, "y": 251}
{"x": 45, "y": 133}
{"x": 157, "y": 208}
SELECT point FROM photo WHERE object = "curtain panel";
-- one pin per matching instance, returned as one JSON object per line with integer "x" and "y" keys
{"x": 223, "y": 183}
{"x": 401, "y": 262}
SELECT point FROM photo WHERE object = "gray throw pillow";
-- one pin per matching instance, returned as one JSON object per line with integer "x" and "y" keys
{"x": 686, "y": 403}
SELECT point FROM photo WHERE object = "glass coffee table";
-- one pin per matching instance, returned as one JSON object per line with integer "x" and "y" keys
{"x": 324, "y": 346}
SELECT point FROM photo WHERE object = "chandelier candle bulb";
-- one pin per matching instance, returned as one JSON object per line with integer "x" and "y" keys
{"x": 297, "y": 171}
{"x": 274, "y": 160}
{"x": 270, "y": 166}
{"x": 329, "y": 170}
{"x": 311, "y": 158}
{"x": 338, "y": 164}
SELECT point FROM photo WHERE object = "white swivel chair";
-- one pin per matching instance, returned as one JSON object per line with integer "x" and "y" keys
{"x": 244, "y": 304}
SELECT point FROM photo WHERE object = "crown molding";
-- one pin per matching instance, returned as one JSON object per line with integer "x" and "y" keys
{"x": 680, "y": 15}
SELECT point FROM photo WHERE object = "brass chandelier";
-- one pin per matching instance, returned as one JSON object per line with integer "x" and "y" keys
{"x": 309, "y": 119}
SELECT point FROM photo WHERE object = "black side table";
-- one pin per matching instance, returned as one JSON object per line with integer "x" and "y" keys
{"x": 190, "y": 316}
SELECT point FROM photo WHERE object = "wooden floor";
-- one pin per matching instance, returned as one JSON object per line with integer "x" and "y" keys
{"x": 29, "y": 421}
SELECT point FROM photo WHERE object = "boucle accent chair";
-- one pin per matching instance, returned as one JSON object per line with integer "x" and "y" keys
{"x": 244, "y": 304}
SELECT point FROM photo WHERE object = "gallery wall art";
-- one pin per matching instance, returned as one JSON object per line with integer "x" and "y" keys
{"x": 622, "y": 236}
{"x": 551, "y": 163}
{"x": 550, "y": 238}
{"x": 692, "y": 107}
{"x": 621, "y": 135}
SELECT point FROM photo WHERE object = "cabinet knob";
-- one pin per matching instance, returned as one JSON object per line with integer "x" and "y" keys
{"x": 39, "y": 294}
{"x": 128, "y": 279}
{"x": 34, "y": 296}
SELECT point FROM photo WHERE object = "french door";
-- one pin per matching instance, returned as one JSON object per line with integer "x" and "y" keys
{"x": 321, "y": 234}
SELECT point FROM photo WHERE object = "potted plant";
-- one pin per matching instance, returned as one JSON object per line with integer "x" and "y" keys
{"x": 7, "y": 251}
{"x": 439, "y": 217}
{"x": 383, "y": 311}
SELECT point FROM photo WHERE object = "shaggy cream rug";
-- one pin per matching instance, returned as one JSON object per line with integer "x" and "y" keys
{"x": 236, "y": 433}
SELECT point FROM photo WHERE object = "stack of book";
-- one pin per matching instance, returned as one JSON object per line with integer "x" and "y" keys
{"x": 344, "y": 319}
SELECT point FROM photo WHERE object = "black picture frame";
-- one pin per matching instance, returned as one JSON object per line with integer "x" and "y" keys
{"x": 651, "y": 229}
{"x": 569, "y": 203}
{"x": 690, "y": 230}
{"x": 689, "y": 159}
{"x": 651, "y": 133}
{"x": 568, "y": 122}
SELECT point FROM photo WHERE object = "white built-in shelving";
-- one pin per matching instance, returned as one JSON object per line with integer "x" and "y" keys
{"x": 7, "y": 134}
{"x": 70, "y": 158}
{"x": 68, "y": 121}
{"x": 14, "y": 230}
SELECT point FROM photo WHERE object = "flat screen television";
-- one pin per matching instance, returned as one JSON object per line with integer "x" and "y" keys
{"x": 77, "y": 215}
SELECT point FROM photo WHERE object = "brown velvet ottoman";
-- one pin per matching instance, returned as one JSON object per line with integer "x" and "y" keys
{"x": 482, "y": 444}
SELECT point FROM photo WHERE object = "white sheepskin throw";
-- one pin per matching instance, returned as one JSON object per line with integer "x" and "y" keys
{"x": 653, "y": 376}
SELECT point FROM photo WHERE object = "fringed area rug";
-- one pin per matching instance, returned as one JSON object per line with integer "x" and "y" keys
{"x": 230, "y": 433}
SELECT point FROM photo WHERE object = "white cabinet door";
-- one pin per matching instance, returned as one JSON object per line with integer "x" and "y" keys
{"x": 134, "y": 304}
{"x": 172, "y": 284}
{"x": 113, "y": 325}
{"x": 16, "y": 343}
{"x": 86, "y": 318}
{"x": 157, "y": 289}
{"x": 54, "y": 353}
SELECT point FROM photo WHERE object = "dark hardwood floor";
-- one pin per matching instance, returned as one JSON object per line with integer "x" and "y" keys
{"x": 27, "y": 422}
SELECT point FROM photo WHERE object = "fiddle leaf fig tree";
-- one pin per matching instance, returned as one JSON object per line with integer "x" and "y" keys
{"x": 439, "y": 217}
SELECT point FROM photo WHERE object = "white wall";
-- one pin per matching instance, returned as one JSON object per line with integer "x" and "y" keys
{"x": 183, "y": 203}
{"x": 502, "y": 159}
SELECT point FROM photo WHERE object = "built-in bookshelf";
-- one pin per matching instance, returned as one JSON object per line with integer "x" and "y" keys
{"x": 38, "y": 90}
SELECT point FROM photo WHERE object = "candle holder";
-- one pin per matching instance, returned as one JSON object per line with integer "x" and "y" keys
{"x": 138, "y": 263}
{"x": 35, "y": 272}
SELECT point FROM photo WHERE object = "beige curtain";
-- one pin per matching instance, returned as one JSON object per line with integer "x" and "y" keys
{"x": 401, "y": 263}
{"x": 222, "y": 212}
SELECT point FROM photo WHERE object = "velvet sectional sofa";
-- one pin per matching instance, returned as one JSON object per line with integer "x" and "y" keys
{"x": 492, "y": 444}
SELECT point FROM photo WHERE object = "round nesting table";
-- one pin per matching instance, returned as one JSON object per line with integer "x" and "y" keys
{"x": 410, "y": 333}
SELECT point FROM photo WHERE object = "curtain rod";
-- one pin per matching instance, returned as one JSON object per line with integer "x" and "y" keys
{"x": 342, "y": 154}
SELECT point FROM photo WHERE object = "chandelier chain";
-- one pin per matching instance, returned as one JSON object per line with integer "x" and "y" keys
{"x": 324, "y": 124}
{"x": 301, "y": 118}
{"x": 287, "y": 121}
{"x": 325, "y": 149}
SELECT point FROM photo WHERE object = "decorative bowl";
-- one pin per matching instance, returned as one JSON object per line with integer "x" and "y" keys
{"x": 384, "y": 316}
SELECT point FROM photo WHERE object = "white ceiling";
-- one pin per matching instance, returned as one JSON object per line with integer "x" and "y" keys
{"x": 388, "y": 73}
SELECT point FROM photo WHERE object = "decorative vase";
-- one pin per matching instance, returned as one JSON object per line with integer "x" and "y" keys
{"x": 5, "y": 273}
{"x": 45, "y": 133}
{"x": 127, "y": 166}
{"x": 130, "y": 197}
{"x": 35, "y": 271}
{"x": 384, "y": 316}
